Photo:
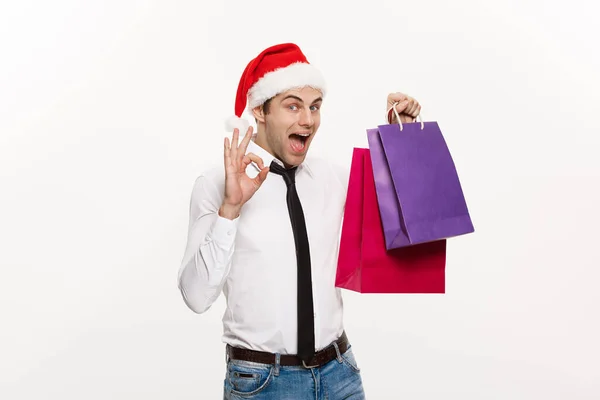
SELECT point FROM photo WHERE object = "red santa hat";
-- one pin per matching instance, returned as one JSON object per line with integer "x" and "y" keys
{"x": 275, "y": 70}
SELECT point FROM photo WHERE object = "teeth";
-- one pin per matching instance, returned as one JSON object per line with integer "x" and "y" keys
{"x": 304, "y": 134}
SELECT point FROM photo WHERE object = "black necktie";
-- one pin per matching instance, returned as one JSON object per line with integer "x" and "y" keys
{"x": 306, "y": 330}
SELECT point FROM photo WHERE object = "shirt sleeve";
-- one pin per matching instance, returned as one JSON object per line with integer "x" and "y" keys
{"x": 209, "y": 248}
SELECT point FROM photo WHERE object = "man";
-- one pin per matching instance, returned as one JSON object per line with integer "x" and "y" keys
{"x": 264, "y": 230}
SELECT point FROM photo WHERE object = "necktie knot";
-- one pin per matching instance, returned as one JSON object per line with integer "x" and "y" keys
{"x": 289, "y": 174}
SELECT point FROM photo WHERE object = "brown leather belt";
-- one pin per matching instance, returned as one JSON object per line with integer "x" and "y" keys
{"x": 320, "y": 358}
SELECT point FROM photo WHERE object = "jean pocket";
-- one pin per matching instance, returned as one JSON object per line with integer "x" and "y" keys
{"x": 247, "y": 378}
{"x": 349, "y": 359}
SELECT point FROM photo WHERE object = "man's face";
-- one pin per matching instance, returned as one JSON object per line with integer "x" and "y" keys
{"x": 290, "y": 124}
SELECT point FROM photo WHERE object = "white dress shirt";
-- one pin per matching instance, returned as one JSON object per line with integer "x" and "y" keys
{"x": 252, "y": 259}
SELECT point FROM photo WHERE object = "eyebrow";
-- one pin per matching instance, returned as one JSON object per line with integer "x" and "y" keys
{"x": 291, "y": 96}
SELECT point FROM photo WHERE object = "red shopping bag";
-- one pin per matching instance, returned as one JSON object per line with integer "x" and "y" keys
{"x": 364, "y": 263}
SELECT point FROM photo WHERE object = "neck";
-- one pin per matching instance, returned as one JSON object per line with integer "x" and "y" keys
{"x": 261, "y": 140}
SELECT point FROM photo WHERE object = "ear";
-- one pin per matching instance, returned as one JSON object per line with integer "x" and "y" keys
{"x": 259, "y": 113}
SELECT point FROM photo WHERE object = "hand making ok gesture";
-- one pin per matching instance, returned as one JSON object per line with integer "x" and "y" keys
{"x": 239, "y": 187}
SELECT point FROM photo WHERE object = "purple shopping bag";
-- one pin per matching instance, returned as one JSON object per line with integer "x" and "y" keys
{"x": 418, "y": 189}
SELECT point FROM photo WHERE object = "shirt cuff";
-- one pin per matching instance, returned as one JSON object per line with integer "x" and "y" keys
{"x": 224, "y": 231}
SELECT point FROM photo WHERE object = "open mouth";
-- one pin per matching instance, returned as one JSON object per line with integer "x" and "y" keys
{"x": 298, "y": 141}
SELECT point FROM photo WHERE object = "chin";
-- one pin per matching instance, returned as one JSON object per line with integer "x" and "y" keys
{"x": 293, "y": 159}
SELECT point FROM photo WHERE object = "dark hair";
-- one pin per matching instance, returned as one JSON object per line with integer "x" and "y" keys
{"x": 266, "y": 105}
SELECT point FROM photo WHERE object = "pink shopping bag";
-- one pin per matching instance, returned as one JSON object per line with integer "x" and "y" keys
{"x": 364, "y": 263}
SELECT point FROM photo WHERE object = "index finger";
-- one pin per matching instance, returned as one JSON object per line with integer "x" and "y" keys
{"x": 251, "y": 157}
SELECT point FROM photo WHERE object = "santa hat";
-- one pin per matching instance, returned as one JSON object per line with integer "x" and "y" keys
{"x": 275, "y": 70}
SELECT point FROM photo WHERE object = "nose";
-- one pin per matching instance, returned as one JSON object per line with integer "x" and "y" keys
{"x": 306, "y": 118}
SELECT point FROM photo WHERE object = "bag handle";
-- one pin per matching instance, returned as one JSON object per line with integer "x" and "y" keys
{"x": 393, "y": 107}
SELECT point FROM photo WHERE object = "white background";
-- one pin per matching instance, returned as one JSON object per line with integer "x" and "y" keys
{"x": 110, "y": 109}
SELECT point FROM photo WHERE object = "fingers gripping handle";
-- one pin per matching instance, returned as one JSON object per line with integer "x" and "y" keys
{"x": 393, "y": 107}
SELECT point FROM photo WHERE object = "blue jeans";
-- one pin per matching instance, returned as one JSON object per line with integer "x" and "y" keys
{"x": 338, "y": 379}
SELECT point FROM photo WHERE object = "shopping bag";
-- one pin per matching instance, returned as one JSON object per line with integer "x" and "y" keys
{"x": 364, "y": 264}
{"x": 419, "y": 192}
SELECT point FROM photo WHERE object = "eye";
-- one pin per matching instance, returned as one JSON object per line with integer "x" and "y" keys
{"x": 314, "y": 108}
{"x": 293, "y": 107}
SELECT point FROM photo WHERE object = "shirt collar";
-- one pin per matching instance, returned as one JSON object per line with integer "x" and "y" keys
{"x": 268, "y": 157}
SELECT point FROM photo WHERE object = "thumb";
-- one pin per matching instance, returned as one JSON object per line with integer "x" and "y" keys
{"x": 401, "y": 107}
{"x": 396, "y": 97}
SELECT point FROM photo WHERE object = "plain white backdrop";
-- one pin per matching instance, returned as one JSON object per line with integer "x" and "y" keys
{"x": 110, "y": 109}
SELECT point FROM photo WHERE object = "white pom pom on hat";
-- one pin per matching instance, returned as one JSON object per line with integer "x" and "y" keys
{"x": 236, "y": 122}
{"x": 276, "y": 69}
